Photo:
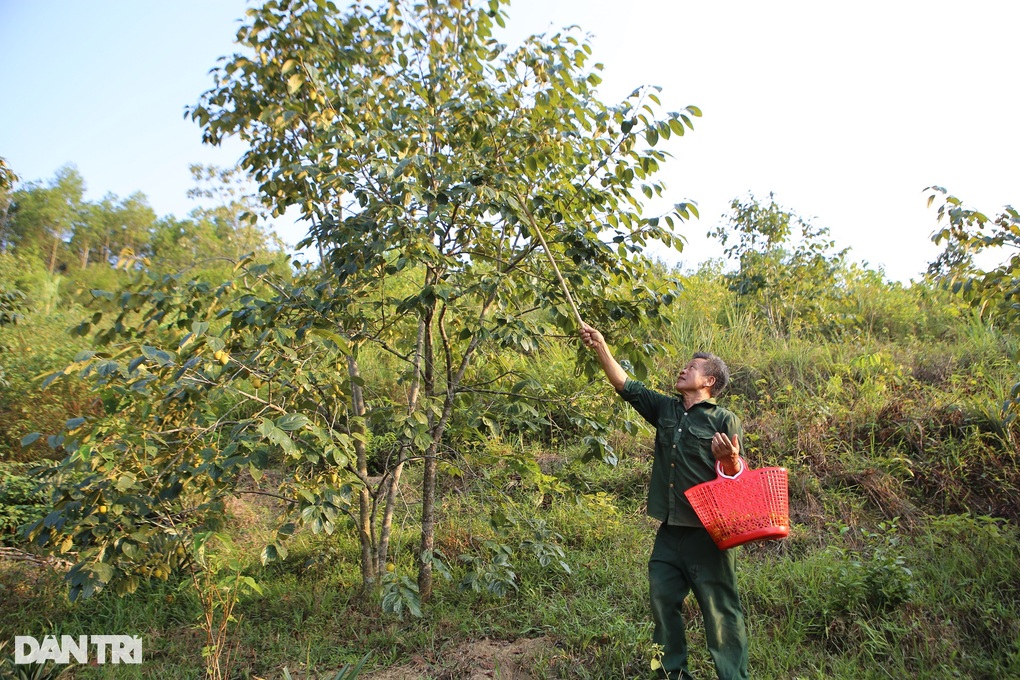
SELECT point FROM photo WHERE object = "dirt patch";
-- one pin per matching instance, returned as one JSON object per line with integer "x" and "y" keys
{"x": 479, "y": 660}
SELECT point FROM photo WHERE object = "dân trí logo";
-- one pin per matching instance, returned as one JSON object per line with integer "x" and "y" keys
{"x": 104, "y": 649}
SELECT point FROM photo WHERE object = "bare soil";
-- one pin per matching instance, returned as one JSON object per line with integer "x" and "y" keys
{"x": 479, "y": 660}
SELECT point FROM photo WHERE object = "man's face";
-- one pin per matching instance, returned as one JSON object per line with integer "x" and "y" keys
{"x": 693, "y": 377}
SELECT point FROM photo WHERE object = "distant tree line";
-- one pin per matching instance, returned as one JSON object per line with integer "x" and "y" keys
{"x": 50, "y": 223}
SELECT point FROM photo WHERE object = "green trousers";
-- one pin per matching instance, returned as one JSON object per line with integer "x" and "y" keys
{"x": 683, "y": 560}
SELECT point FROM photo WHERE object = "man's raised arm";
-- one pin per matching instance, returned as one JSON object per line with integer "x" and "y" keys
{"x": 593, "y": 339}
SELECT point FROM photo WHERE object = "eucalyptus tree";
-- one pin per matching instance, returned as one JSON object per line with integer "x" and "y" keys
{"x": 416, "y": 144}
{"x": 93, "y": 236}
{"x": 44, "y": 216}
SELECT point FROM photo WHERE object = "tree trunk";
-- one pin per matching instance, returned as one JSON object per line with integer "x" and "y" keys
{"x": 369, "y": 571}
{"x": 428, "y": 493}
{"x": 386, "y": 529}
{"x": 428, "y": 523}
{"x": 428, "y": 517}
{"x": 53, "y": 255}
{"x": 428, "y": 486}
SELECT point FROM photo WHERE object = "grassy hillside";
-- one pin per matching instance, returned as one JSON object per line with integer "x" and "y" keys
{"x": 904, "y": 493}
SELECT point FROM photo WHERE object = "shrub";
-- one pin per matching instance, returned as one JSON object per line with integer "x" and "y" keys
{"x": 21, "y": 501}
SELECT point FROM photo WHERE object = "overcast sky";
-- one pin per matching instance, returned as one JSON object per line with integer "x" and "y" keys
{"x": 846, "y": 111}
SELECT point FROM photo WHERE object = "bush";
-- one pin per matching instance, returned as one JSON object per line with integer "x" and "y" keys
{"x": 874, "y": 578}
{"x": 21, "y": 501}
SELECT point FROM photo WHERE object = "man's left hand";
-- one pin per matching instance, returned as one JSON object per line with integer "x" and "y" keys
{"x": 727, "y": 452}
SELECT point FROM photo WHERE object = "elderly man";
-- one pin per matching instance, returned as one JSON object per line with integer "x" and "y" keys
{"x": 692, "y": 434}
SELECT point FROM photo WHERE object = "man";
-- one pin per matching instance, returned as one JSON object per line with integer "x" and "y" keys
{"x": 692, "y": 433}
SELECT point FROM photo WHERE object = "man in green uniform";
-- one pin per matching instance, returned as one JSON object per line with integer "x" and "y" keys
{"x": 692, "y": 435}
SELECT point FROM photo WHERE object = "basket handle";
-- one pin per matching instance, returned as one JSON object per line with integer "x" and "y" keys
{"x": 719, "y": 471}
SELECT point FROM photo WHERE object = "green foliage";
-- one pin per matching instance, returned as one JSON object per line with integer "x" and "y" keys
{"x": 7, "y": 177}
{"x": 21, "y": 500}
{"x": 493, "y": 572}
{"x": 42, "y": 218}
{"x": 874, "y": 578}
{"x": 544, "y": 545}
{"x": 792, "y": 282}
{"x": 13, "y": 304}
{"x": 491, "y": 568}
{"x": 29, "y": 349}
{"x": 34, "y": 671}
{"x": 114, "y": 229}
{"x": 418, "y": 146}
{"x": 400, "y": 593}
{"x": 13, "y": 300}
{"x": 444, "y": 161}
{"x": 421, "y": 151}
{"x": 200, "y": 388}
{"x": 52, "y": 228}
{"x": 224, "y": 227}
{"x": 995, "y": 292}
{"x": 970, "y": 232}
{"x": 219, "y": 582}
{"x": 880, "y": 426}
{"x": 875, "y": 307}
{"x": 963, "y": 614}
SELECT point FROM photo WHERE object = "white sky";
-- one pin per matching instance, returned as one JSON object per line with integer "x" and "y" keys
{"x": 846, "y": 111}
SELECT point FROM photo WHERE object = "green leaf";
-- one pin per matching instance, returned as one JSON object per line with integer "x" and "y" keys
{"x": 294, "y": 83}
{"x": 341, "y": 344}
{"x": 158, "y": 356}
{"x": 270, "y": 554}
{"x": 251, "y": 584}
{"x": 30, "y": 439}
{"x": 103, "y": 571}
{"x": 292, "y": 421}
{"x": 266, "y": 427}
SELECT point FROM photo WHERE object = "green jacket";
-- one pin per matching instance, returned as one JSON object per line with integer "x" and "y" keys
{"x": 683, "y": 448}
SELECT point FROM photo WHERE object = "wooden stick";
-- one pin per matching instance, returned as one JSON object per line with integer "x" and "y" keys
{"x": 552, "y": 260}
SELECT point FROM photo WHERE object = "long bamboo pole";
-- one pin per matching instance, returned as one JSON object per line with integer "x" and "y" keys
{"x": 552, "y": 260}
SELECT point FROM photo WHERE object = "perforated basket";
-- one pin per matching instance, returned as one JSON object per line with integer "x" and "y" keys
{"x": 753, "y": 506}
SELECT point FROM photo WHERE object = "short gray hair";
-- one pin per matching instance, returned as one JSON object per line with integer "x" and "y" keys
{"x": 715, "y": 367}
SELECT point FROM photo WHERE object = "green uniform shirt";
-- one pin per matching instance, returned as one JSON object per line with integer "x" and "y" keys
{"x": 683, "y": 448}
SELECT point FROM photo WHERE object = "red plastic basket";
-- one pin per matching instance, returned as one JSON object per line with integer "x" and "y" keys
{"x": 753, "y": 506}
